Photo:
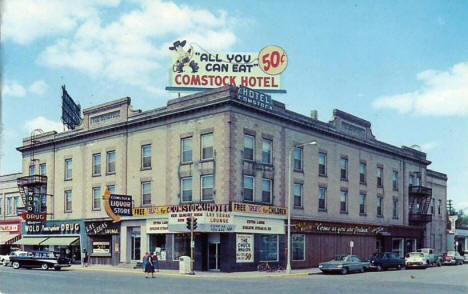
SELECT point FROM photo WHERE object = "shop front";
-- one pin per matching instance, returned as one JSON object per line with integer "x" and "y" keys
{"x": 401, "y": 240}
{"x": 68, "y": 238}
{"x": 103, "y": 245}
{"x": 10, "y": 232}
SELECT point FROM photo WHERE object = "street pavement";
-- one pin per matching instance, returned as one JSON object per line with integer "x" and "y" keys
{"x": 447, "y": 279}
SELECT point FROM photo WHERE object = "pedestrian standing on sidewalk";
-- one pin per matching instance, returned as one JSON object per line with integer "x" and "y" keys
{"x": 145, "y": 262}
{"x": 149, "y": 267}
{"x": 155, "y": 261}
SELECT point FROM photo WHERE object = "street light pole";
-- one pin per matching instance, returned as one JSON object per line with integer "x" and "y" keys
{"x": 288, "y": 265}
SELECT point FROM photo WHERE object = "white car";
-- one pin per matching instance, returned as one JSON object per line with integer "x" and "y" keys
{"x": 466, "y": 256}
{"x": 6, "y": 258}
{"x": 416, "y": 259}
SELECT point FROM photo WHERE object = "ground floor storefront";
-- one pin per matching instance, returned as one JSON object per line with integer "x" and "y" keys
{"x": 313, "y": 241}
{"x": 10, "y": 232}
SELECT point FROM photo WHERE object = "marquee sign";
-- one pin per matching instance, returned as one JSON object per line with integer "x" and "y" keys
{"x": 165, "y": 210}
{"x": 259, "y": 209}
{"x": 196, "y": 69}
{"x": 336, "y": 228}
{"x": 102, "y": 228}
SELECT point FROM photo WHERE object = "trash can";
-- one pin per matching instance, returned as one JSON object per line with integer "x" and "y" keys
{"x": 184, "y": 264}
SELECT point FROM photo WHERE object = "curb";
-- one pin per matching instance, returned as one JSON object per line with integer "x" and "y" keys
{"x": 304, "y": 274}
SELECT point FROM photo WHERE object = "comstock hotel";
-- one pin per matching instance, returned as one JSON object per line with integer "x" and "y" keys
{"x": 226, "y": 161}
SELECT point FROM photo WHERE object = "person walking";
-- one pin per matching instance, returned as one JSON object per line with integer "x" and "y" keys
{"x": 155, "y": 261}
{"x": 149, "y": 267}
{"x": 145, "y": 264}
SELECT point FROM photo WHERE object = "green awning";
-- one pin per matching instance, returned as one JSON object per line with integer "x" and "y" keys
{"x": 30, "y": 241}
{"x": 65, "y": 241}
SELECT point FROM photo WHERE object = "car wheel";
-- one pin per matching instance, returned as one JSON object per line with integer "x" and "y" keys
{"x": 44, "y": 266}
{"x": 362, "y": 269}
{"x": 57, "y": 268}
{"x": 344, "y": 271}
{"x": 16, "y": 265}
{"x": 379, "y": 268}
{"x": 399, "y": 267}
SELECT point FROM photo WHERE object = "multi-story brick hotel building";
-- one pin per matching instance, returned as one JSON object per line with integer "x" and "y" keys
{"x": 225, "y": 160}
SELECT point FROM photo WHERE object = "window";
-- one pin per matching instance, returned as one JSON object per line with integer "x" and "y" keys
{"x": 344, "y": 168}
{"x": 111, "y": 162}
{"x": 266, "y": 151}
{"x": 207, "y": 184}
{"x": 68, "y": 200}
{"x": 297, "y": 158}
{"x": 362, "y": 173}
{"x": 439, "y": 207}
{"x": 1, "y": 205}
{"x": 186, "y": 189}
{"x": 411, "y": 180}
{"x": 432, "y": 205}
{"x": 181, "y": 246}
{"x": 249, "y": 143}
{"x": 344, "y": 202}
{"x": 207, "y": 146}
{"x": 266, "y": 190}
{"x": 395, "y": 180}
{"x": 97, "y": 164}
{"x": 32, "y": 170}
{"x": 42, "y": 169}
{"x": 187, "y": 149}
{"x": 379, "y": 176}
{"x": 111, "y": 189}
{"x": 248, "y": 188}
{"x": 145, "y": 156}
{"x": 146, "y": 193}
{"x": 322, "y": 164}
{"x": 362, "y": 204}
{"x": 395, "y": 208}
{"x": 298, "y": 246}
{"x": 10, "y": 206}
{"x": 17, "y": 203}
{"x": 97, "y": 198}
{"x": 418, "y": 180}
{"x": 269, "y": 247}
{"x": 68, "y": 169}
{"x": 322, "y": 198}
{"x": 298, "y": 195}
{"x": 379, "y": 205}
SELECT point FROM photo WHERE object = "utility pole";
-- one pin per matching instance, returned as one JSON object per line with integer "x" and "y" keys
{"x": 192, "y": 245}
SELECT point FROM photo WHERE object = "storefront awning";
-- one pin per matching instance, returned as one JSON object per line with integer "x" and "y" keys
{"x": 30, "y": 241}
{"x": 65, "y": 241}
{"x": 6, "y": 238}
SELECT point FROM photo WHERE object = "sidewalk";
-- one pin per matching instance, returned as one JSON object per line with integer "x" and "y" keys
{"x": 198, "y": 274}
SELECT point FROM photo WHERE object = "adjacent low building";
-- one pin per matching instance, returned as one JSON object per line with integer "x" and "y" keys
{"x": 221, "y": 157}
{"x": 10, "y": 222}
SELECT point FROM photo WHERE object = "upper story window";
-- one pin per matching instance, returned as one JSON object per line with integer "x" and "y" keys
{"x": 418, "y": 180}
{"x": 363, "y": 173}
{"x": 344, "y": 168}
{"x": 68, "y": 169}
{"x": 32, "y": 170}
{"x": 42, "y": 169}
{"x": 298, "y": 195}
{"x": 97, "y": 164}
{"x": 379, "y": 206}
{"x": 322, "y": 164}
{"x": 111, "y": 189}
{"x": 266, "y": 191}
{"x": 298, "y": 159}
{"x": 186, "y": 184}
{"x": 344, "y": 202}
{"x": 439, "y": 207}
{"x": 249, "y": 147}
{"x": 379, "y": 176}
{"x": 146, "y": 193}
{"x": 111, "y": 162}
{"x": 207, "y": 146}
{"x": 1, "y": 205}
{"x": 411, "y": 180}
{"x": 432, "y": 205}
{"x": 10, "y": 205}
{"x": 362, "y": 203}
{"x": 68, "y": 201}
{"x": 146, "y": 156}
{"x": 186, "y": 149}
{"x": 207, "y": 185}
{"x": 395, "y": 208}
{"x": 267, "y": 151}
{"x": 248, "y": 188}
{"x": 96, "y": 198}
{"x": 395, "y": 180}
{"x": 322, "y": 198}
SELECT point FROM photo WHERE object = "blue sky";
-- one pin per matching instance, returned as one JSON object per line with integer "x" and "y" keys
{"x": 403, "y": 65}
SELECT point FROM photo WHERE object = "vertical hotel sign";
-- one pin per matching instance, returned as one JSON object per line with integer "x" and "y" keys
{"x": 196, "y": 69}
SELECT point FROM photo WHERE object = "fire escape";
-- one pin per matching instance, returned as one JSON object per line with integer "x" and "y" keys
{"x": 419, "y": 202}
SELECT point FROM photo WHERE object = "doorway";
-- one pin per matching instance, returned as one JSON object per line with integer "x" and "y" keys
{"x": 213, "y": 252}
{"x": 135, "y": 241}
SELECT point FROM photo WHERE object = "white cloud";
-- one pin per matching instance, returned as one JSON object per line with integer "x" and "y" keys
{"x": 43, "y": 123}
{"x": 442, "y": 93}
{"x": 429, "y": 146}
{"x": 133, "y": 49}
{"x": 13, "y": 89}
{"x": 38, "y": 87}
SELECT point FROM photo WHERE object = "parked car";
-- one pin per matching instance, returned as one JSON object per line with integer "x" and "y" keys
{"x": 386, "y": 260}
{"x": 6, "y": 258}
{"x": 465, "y": 256}
{"x": 40, "y": 259}
{"x": 416, "y": 259}
{"x": 431, "y": 258}
{"x": 344, "y": 264}
{"x": 453, "y": 257}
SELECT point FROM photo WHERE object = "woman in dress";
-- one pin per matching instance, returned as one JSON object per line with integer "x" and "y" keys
{"x": 149, "y": 268}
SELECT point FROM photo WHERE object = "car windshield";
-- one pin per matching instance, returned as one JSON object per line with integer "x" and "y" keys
{"x": 416, "y": 254}
{"x": 451, "y": 253}
{"x": 340, "y": 258}
{"x": 380, "y": 255}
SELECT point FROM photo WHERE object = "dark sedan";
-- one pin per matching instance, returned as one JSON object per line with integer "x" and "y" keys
{"x": 386, "y": 260}
{"x": 40, "y": 259}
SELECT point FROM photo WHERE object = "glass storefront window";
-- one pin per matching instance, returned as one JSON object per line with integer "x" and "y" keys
{"x": 298, "y": 246}
{"x": 181, "y": 246}
{"x": 157, "y": 245}
{"x": 269, "y": 248}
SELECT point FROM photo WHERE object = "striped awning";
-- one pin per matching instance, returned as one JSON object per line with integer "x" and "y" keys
{"x": 64, "y": 241}
{"x": 13, "y": 240}
{"x": 30, "y": 241}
